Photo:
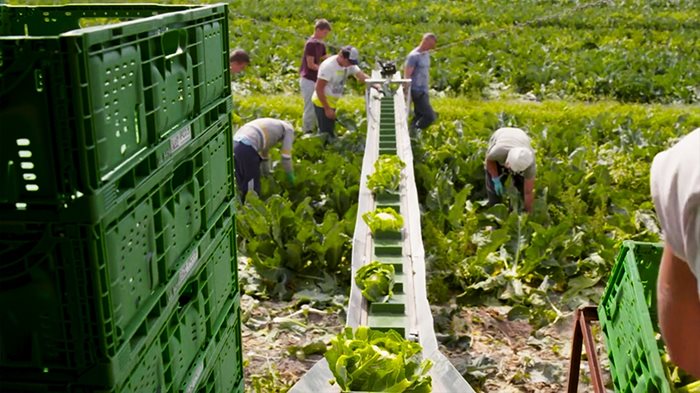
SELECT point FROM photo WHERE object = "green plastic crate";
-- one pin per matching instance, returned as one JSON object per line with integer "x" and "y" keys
{"x": 219, "y": 368}
{"x": 185, "y": 334}
{"x": 157, "y": 162}
{"x": 191, "y": 330}
{"x": 220, "y": 278}
{"x": 107, "y": 285}
{"x": 628, "y": 318}
{"x": 181, "y": 351}
{"x": 228, "y": 369}
{"x": 83, "y": 106}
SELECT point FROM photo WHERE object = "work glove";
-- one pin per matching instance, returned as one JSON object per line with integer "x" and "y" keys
{"x": 497, "y": 185}
{"x": 291, "y": 178}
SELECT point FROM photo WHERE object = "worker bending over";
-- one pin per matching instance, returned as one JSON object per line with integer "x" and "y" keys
{"x": 251, "y": 146}
{"x": 510, "y": 153}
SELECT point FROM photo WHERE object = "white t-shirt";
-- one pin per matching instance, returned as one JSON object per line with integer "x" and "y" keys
{"x": 675, "y": 189}
{"x": 336, "y": 75}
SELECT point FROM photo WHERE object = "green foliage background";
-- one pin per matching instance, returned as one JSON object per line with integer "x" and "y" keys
{"x": 592, "y": 192}
{"x": 632, "y": 51}
{"x": 600, "y": 89}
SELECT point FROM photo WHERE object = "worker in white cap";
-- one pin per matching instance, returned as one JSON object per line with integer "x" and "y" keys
{"x": 675, "y": 189}
{"x": 510, "y": 153}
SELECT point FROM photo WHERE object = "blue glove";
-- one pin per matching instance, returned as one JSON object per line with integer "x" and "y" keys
{"x": 497, "y": 185}
{"x": 291, "y": 178}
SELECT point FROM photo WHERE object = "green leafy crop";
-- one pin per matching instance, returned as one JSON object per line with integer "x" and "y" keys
{"x": 632, "y": 51}
{"x": 383, "y": 220}
{"x": 376, "y": 280}
{"x": 387, "y": 174}
{"x": 372, "y": 361}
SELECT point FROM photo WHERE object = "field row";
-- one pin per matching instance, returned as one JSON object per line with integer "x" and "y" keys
{"x": 628, "y": 51}
{"x": 591, "y": 193}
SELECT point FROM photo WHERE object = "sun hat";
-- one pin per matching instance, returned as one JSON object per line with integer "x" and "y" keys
{"x": 519, "y": 158}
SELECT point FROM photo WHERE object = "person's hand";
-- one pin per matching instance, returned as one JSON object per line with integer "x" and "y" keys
{"x": 497, "y": 185}
{"x": 330, "y": 112}
{"x": 291, "y": 178}
{"x": 378, "y": 88}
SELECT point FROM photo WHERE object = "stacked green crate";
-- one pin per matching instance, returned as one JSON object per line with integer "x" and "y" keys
{"x": 83, "y": 107}
{"x": 117, "y": 257}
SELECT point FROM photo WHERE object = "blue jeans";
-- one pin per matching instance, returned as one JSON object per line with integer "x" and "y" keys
{"x": 423, "y": 114}
{"x": 325, "y": 125}
{"x": 246, "y": 161}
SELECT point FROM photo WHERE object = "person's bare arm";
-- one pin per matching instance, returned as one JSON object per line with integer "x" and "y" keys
{"x": 362, "y": 77}
{"x": 311, "y": 63}
{"x": 408, "y": 72}
{"x": 492, "y": 168}
{"x": 678, "y": 308}
{"x": 529, "y": 197}
{"x": 321, "y": 93}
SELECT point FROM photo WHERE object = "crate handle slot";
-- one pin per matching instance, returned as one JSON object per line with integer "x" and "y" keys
{"x": 182, "y": 174}
{"x": 173, "y": 42}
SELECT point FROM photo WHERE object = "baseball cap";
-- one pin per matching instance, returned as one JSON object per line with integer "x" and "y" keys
{"x": 519, "y": 158}
{"x": 353, "y": 55}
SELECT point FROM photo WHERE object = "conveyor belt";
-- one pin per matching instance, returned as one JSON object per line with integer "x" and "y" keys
{"x": 408, "y": 311}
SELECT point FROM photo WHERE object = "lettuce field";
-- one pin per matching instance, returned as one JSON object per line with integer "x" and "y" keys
{"x": 600, "y": 89}
{"x": 600, "y": 86}
{"x": 642, "y": 51}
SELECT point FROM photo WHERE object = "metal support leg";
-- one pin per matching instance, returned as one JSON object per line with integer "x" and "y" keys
{"x": 583, "y": 336}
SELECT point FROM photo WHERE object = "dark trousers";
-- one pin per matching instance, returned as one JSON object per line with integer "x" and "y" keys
{"x": 325, "y": 125}
{"x": 247, "y": 169}
{"x": 423, "y": 113}
{"x": 503, "y": 173}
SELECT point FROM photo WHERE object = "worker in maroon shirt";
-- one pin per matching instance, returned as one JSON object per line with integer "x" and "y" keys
{"x": 314, "y": 54}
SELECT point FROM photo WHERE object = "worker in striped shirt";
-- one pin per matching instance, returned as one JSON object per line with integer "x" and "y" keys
{"x": 251, "y": 146}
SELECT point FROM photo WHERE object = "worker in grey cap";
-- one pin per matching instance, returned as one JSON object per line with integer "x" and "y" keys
{"x": 330, "y": 84}
{"x": 510, "y": 153}
{"x": 251, "y": 146}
